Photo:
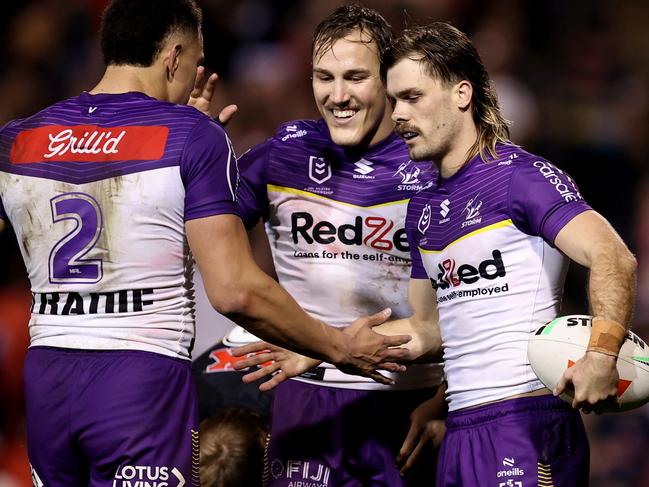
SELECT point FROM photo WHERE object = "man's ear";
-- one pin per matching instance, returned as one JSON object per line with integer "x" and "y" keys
{"x": 463, "y": 93}
{"x": 172, "y": 60}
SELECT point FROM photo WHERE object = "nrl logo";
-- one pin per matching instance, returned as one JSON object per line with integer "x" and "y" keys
{"x": 424, "y": 219}
{"x": 319, "y": 169}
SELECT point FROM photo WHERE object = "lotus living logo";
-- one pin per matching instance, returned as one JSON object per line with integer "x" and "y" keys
{"x": 319, "y": 169}
{"x": 148, "y": 476}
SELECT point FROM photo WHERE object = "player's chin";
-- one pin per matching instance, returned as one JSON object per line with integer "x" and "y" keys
{"x": 346, "y": 137}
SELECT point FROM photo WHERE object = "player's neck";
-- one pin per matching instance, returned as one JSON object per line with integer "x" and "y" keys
{"x": 385, "y": 128}
{"x": 123, "y": 79}
{"x": 460, "y": 151}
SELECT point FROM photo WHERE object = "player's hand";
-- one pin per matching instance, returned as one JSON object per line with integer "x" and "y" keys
{"x": 202, "y": 94}
{"x": 427, "y": 429}
{"x": 277, "y": 363}
{"x": 369, "y": 351}
{"x": 594, "y": 379}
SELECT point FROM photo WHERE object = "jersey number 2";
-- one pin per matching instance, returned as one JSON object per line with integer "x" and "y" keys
{"x": 66, "y": 262}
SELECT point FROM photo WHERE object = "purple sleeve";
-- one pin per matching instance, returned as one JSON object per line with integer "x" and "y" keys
{"x": 209, "y": 172}
{"x": 543, "y": 199}
{"x": 414, "y": 236}
{"x": 253, "y": 195}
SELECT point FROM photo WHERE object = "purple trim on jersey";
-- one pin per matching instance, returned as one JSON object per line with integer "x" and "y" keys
{"x": 302, "y": 156}
{"x": 209, "y": 171}
{"x": 536, "y": 196}
{"x": 543, "y": 199}
{"x": 417, "y": 271}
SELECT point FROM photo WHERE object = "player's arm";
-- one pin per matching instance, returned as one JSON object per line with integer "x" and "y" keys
{"x": 422, "y": 325}
{"x": 237, "y": 287}
{"x": 589, "y": 240}
{"x": 280, "y": 364}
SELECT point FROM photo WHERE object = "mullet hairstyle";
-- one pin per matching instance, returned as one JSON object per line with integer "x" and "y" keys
{"x": 347, "y": 19}
{"x": 449, "y": 56}
{"x": 133, "y": 31}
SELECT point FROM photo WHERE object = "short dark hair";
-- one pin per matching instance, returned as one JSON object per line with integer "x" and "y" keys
{"x": 448, "y": 55}
{"x": 346, "y": 19}
{"x": 133, "y": 31}
{"x": 233, "y": 442}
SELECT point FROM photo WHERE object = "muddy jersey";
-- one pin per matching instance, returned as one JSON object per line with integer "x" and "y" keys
{"x": 484, "y": 237}
{"x": 335, "y": 221}
{"x": 98, "y": 189}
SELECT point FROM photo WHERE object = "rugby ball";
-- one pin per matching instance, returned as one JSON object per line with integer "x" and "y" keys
{"x": 558, "y": 344}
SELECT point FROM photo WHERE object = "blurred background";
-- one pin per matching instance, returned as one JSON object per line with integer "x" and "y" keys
{"x": 572, "y": 76}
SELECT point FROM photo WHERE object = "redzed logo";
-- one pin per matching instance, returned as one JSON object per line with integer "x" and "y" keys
{"x": 89, "y": 143}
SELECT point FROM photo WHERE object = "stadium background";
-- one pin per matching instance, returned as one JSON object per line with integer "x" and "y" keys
{"x": 572, "y": 76}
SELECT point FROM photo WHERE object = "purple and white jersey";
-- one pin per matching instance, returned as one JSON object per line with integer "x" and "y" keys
{"x": 485, "y": 238}
{"x": 98, "y": 189}
{"x": 335, "y": 221}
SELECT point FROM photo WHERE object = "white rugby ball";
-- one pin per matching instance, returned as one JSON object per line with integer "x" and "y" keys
{"x": 558, "y": 344}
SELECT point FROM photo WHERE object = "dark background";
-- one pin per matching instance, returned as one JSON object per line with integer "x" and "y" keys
{"x": 572, "y": 76}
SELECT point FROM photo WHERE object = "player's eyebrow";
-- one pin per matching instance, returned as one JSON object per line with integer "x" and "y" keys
{"x": 407, "y": 92}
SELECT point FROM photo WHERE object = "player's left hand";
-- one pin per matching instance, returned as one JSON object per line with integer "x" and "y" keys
{"x": 427, "y": 429}
{"x": 594, "y": 378}
{"x": 202, "y": 94}
{"x": 275, "y": 362}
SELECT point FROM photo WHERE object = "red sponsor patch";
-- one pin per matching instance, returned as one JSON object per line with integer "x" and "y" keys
{"x": 224, "y": 360}
{"x": 89, "y": 143}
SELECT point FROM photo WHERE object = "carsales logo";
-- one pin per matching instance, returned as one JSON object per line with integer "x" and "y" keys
{"x": 89, "y": 143}
{"x": 555, "y": 176}
{"x": 373, "y": 231}
{"x": 147, "y": 476}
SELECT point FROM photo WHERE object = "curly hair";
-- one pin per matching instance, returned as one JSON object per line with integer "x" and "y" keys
{"x": 133, "y": 32}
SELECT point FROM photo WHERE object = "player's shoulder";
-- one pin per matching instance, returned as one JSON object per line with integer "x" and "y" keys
{"x": 514, "y": 156}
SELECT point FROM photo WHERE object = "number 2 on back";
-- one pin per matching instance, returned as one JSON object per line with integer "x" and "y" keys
{"x": 66, "y": 263}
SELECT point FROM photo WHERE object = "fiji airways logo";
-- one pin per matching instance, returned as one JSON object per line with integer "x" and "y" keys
{"x": 472, "y": 210}
{"x": 363, "y": 168}
{"x": 319, "y": 169}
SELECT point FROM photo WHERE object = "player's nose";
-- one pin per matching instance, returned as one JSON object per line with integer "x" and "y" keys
{"x": 339, "y": 92}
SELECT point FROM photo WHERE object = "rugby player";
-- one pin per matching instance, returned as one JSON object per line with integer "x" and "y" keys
{"x": 107, "y": 192}
{"x": 334, "y": 194}
{"x": 490, "y": 240}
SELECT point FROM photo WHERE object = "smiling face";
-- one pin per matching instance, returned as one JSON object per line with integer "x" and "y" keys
{"x": 425, "y": 110}
{"x": 349, "y": 92}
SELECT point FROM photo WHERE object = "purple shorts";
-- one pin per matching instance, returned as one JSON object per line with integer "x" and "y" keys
{"x": 329, "y": 437}
{"x": 110, "y": 419}
{"x": 527, "y": 442}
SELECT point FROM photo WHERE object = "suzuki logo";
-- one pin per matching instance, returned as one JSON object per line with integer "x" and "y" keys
{"x": 444, "y": 207}
{"x": 319, "y": 169}
{"x": 363, "y": 166}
